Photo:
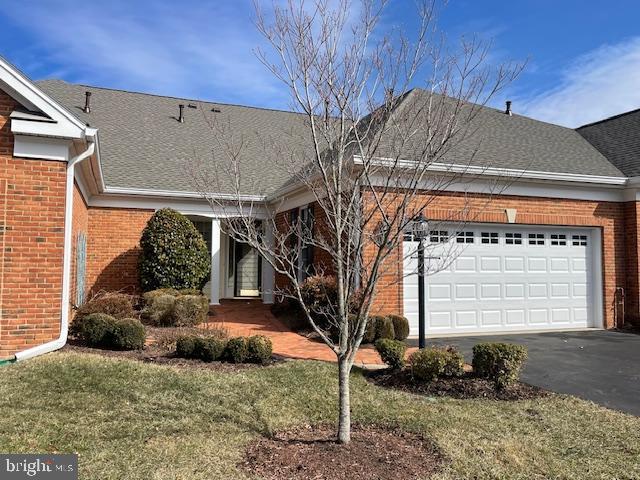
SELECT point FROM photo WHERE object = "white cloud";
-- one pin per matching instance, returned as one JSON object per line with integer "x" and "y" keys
{"x": 599, "y": 84}
{"x": 188, "y": 48}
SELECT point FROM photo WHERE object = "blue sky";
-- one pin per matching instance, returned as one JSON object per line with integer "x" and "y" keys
{"x": 583, "y": 56}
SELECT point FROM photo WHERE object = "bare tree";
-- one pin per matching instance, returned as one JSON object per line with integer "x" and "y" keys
{"x": 374, "y": 152}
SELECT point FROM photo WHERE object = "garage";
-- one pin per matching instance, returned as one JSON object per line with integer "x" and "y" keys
{"x": 498, "y": 278}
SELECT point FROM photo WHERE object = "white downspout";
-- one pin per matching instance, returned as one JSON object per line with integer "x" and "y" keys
{"x": 66, "y": 262}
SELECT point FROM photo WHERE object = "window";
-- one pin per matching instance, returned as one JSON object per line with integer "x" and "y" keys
{"x": 464, "y": 237}
{"x": 438, "y": 236}
{"x": 536, "y": 239}
{"x": 489, "y": 237}
{"x": 303, "y": 219}
{"x": 513, "y": 238}
{"x": 558, "y": 239}
{"x": 579, "y": 240}
{"x": 408, "y": 237}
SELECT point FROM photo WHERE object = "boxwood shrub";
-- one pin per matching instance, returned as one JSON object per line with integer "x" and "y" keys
{"x": 400, "y": 326}
{"x": 209, "y": 349}
{"x": 236, "y": 350}
{"x": 392, "y": 352}
{"x": 259, "y": 349}
{"x": 172, "y": 308}
{"x": 174, "y": 254}
{"x": 102, "y": 330}
{"x": 126, "y": 334}
{"x": 384, "y": 328}
{"x": 115, "y": 304}
{"x": 499, "y": 362}
{"x": 428, "y": 364}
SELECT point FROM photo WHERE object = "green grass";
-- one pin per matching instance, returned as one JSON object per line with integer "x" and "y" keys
{"x": 132, "y": 420}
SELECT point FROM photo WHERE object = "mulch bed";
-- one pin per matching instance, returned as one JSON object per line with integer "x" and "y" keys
{"x": 162, "y": 355}
{"x": 313, "y": 453}
{"x": 463, "y": 387}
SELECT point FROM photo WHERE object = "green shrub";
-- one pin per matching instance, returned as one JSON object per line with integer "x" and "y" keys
{"x": 190, "y": 291}
{"x": 320, "y": 295}
{"x": 101, "y": 330}
{"x": 370, "y": 331}
{"x": 159, "y": 310}
{"x": 186, "y": 346}
{"x": 149, "y": 297}
{"x": 236, "y": 350}
{"x": 454, "y": 362}
{"x": 384, "y": 328}
{"x": 391, "y": 352}
{"x": 428, "y": 363}
{"x": 499, "y": 362}
{"x": 208, "y": 349}
{"x": 400, "y": 326}
{"x": 118, "y": 305}
{"x": 174, "y": 254}
{"x": 92, "y": 328}
{"x": 189, "y": 310}
{"x": 169, "y": 308}
{"x": 259, "y": 349}
{"x": 126, "y": 334}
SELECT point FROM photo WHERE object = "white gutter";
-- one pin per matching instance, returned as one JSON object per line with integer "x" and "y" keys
{"x": 499, "y": 172}
{"x": 66, "y": 262}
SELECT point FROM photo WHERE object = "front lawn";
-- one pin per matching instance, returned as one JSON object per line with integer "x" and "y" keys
{"x": 132, "y": 420}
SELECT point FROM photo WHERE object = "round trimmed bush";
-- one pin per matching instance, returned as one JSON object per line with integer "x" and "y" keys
{"x": 190, "y": 310}
{"x": 428, "y": 364}
{"x": 499, "y": 362}
{"x": 149, "y": 297}
{"x": 400, "y": 326}
{"x": 370, "y": 330}
{"x": 454, "y": 362}
{"x": 209, "y": 349}
{"x": 126, "y": 334}
{"x": 384, "y": 328}
{"x": 92, "y": 328}
{"x": 174, "y": 254}
{"x": 236, "y": 350}
{"x": 259, "y": 349}
{"x": 185, "y": 346}
{"x": 391, "y": 352}
{"x": 159, "y": 311}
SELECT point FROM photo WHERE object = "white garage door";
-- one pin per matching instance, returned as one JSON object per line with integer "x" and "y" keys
{"x": 495, "y": 278}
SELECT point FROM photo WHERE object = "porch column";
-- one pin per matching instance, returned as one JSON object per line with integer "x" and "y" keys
{"x": 215, "y": 262}
{"x": 268, "y": 275}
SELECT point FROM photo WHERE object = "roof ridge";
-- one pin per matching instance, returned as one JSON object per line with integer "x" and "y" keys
{"x": 133, "y": 92}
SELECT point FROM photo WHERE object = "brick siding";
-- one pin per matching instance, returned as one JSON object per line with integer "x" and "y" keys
{"x": 113, "y": 248}
{"x": 32, "y": 203}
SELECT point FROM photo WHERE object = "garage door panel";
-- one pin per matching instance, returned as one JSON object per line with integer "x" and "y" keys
{"x": 526, "y": 278}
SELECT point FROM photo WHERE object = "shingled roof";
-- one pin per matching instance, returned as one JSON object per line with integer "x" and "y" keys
{"x": 143, "y": 146}
{"x": 618, "y": 139}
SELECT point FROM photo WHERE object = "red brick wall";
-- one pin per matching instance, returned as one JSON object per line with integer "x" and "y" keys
{"x": 32, "y": 202}
{"x": 608, "y": 216}
{"x": 113, "y": 248}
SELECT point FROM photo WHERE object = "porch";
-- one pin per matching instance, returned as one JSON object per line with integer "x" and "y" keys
{"x": 244, "y": 317}
{"x": 237, "y": 270}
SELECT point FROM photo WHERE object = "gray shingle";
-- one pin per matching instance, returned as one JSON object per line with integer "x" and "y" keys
{"x": 144, "y": 146}
{"x": 618, "y": 139}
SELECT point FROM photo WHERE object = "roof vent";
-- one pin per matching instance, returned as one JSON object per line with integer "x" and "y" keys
{"x": 216, "y": 110}
{"x": 87, "y": 102}
{"x": 181, "y": 116}
{"x": 508, "y": 109}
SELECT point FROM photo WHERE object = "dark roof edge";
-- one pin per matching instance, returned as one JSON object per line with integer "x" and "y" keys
{"x": 613, "y": 117}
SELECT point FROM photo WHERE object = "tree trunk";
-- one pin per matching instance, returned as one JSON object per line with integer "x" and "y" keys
{"x": 344, "y": 418}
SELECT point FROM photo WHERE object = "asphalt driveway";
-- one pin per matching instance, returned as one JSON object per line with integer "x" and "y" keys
{"x": 597, "y": 365}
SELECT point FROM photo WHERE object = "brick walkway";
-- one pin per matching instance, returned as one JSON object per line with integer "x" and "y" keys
{"x": 252, "y": 317}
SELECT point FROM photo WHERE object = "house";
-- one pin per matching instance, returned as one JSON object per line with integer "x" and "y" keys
{"x": 82, "y": 169}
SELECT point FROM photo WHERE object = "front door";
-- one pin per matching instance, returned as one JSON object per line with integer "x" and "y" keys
{"x": 247, "y": 270}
